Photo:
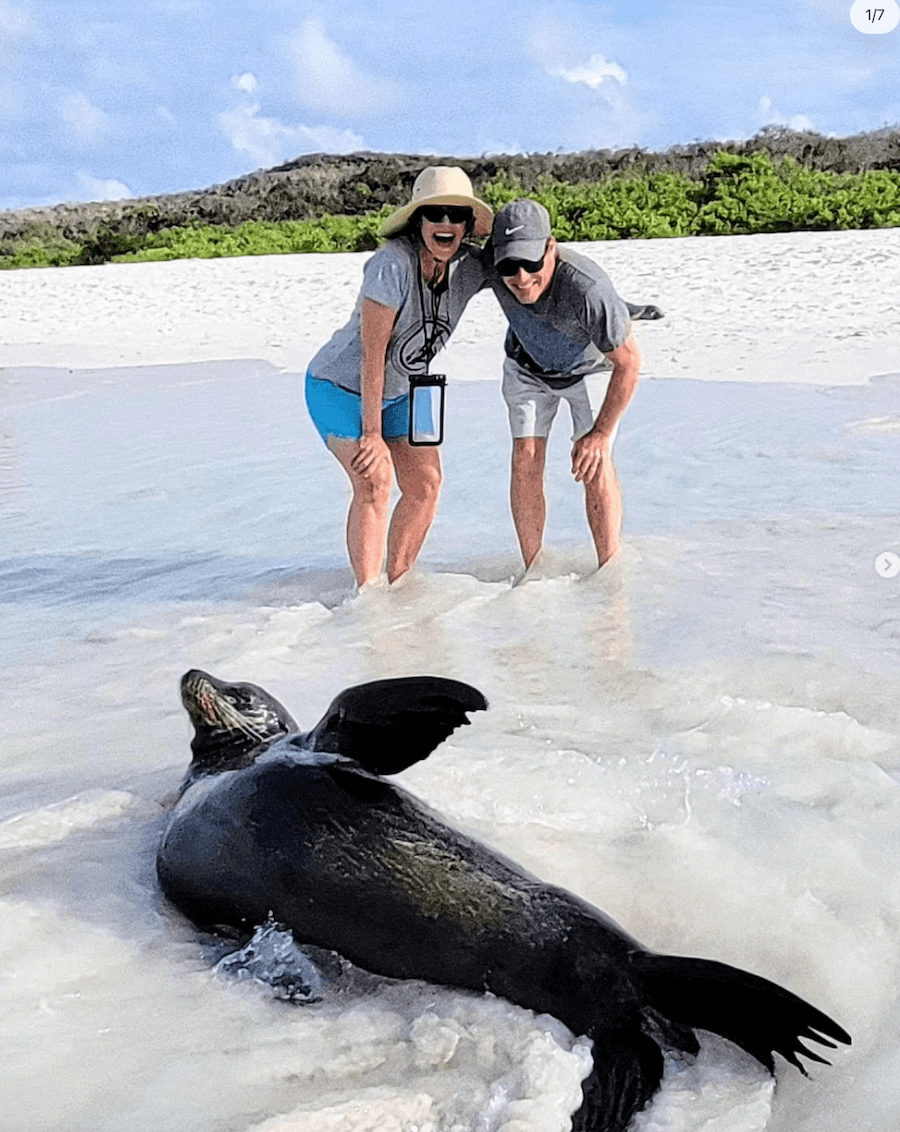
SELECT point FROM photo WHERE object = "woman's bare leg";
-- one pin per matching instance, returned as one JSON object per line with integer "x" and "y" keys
{"x": 367, "y": 519}
{"x": 419, "y": 478}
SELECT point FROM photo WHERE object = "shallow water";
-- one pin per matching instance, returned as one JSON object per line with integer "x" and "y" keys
{"x": 703, "y": 739}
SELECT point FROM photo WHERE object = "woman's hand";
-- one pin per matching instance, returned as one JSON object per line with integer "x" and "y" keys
{"x": 372, "y": 450}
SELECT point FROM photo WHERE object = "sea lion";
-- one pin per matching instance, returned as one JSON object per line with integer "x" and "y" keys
{"x": 303, "y": 827}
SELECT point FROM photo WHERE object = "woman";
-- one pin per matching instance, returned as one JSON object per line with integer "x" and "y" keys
{"x": 414, "y": 290}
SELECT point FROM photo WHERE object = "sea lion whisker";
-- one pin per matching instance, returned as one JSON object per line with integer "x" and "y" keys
{"x": 216, "y": 709}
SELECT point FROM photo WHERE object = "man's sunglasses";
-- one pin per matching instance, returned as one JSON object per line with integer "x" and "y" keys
{"x": 507, "y": 267}
{"x": 455, "y": 213}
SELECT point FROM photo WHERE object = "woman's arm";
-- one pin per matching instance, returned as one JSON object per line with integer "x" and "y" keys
{"x": 376, "y": 326}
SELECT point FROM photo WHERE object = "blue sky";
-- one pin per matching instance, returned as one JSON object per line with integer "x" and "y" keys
{"x": 110, "y": 98}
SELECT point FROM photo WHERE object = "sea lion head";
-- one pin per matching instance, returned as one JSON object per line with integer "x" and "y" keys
{"x": 231, "y": 721}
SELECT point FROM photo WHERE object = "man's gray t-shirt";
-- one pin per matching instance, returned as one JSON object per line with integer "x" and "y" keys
{"x": 567, "y": 333}
{"x": 393, "y": 278}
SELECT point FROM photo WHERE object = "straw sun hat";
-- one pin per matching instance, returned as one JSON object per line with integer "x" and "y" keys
{"x": 441, "y": 184}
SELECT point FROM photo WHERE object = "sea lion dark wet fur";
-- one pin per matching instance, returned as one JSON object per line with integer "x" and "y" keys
{"x": 303, "y": 827}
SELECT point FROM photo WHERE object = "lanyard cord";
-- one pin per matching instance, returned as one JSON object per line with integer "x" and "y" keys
{"x": 432, "y": 338}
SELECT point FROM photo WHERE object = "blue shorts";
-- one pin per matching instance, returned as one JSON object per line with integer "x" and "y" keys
{"x": 338, "y": 412}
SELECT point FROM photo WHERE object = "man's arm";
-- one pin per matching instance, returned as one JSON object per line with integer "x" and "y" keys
{"x": 589, "y": 452}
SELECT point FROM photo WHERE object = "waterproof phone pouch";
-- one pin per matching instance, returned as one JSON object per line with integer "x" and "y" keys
{"x": 426, "y": 408}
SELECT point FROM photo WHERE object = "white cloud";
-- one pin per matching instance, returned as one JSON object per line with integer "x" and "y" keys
{"x": 557, "y": 45}
{"x": 245, "y": 83}
{"x": 87, "y": 123}
{"x": 93, "y": 188}
{"x": 592, "y": 73}
{"x": 595, "y": 104}
{"x": 767, "y": 115}
{"x": 83, "y": 187}
{"x": 267, "y": 142}
{"x": 329, "y": 80}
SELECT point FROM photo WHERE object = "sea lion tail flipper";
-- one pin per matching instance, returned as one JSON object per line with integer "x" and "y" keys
{"x": 754, "y": 1013}
{"x": 387, "y": 725}
{"x": 626, "y": 1072}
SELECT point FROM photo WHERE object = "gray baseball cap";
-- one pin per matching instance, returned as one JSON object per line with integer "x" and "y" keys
{"x": 521, "y": 230}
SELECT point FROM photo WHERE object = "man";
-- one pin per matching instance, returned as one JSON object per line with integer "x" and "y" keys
{"x": 566, "y": 324}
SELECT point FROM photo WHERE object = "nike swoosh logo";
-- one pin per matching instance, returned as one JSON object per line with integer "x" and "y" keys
{"x": 518, "y": 228}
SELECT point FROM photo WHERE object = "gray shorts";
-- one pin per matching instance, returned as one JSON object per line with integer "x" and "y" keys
{"x": 532, "y": 405}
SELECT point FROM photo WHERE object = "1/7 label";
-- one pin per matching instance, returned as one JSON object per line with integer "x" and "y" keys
{"x": 872, "y": 20}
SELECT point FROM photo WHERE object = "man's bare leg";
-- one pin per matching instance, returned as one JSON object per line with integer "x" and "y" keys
{"x": 419, "y": 478}
{"x": 526, "y": 494}
{"x": 603, "y": 503}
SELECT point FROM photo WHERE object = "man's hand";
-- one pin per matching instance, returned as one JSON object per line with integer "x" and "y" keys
{"x": 589, "y": 453}
{"x": 593, "y": 450}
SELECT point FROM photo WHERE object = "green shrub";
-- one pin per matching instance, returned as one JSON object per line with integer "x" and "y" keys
{"x": 40, "y": 246}
{"x": 751, "y": 194}
{"x": 254, "y": 237}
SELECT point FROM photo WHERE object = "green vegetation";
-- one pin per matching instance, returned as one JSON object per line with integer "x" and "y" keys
{"x": 118, "y": 244}
{"x": 254, "y": 237}
{"x": 734, "y": 194}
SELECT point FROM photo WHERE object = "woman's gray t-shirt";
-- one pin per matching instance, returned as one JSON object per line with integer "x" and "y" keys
{"x": 425, "y": 318}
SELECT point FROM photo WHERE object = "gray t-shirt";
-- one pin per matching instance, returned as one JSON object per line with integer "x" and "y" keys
{"x": 572, "y": 326}
{"x": 393, "y": 278}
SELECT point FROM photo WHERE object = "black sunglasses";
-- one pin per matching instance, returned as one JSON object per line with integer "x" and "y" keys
{"x": 455, "y": 213}
{"x": 507, "y": 267}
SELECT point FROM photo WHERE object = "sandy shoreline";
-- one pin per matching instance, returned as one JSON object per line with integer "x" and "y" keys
{"x": 806, "y": 307}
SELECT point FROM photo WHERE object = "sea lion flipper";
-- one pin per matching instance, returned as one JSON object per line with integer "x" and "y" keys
{"x": 387, "y": 725}
{"x": 640, "y": 311}
{"x": 754, "y": 1013}
{"x": 626, "y": 1072}
{"x": 272, "y": 956}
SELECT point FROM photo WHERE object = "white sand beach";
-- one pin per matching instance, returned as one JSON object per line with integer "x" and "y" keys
{"x": 805, "y": 307}
{"x": 703, "y": 741}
